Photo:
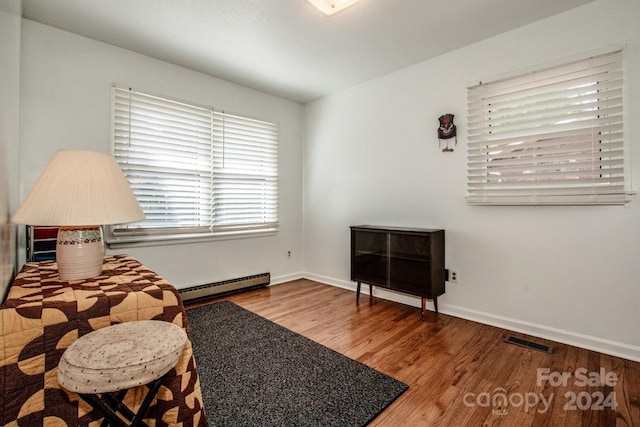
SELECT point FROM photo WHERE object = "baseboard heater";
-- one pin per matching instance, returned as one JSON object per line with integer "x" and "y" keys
{"x": 226, "y": 287}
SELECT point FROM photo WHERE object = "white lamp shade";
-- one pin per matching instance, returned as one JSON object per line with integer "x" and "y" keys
{"x": 80, "y": 188}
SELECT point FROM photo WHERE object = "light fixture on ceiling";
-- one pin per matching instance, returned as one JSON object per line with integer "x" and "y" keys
{"x": 79, "y": 191}
{"x": 329, "y": 7}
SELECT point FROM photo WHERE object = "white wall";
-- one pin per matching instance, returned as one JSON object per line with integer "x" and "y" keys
{"x": 10, "y": 22}
{"x": 65, "y": 103}
{"x": 372, "y": 157}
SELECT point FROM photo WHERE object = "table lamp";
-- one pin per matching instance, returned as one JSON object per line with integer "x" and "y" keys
{"x": 79, "y": 191}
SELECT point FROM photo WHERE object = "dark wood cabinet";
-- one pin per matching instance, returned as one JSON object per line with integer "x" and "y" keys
{"x": 409, "y": 260}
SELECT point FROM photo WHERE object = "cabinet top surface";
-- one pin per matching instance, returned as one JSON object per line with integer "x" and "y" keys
{"x": 396, "y": 229}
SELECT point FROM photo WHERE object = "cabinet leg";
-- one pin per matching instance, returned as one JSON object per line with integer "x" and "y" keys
{"x": 435, "y": 304}
{"x": 358, "y": 293}
{"x": 422, "y": 309}
{"x": 371, "y": 292}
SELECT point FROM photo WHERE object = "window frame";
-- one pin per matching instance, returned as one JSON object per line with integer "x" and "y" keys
{"x": 530, "y": 194}
{"x": 117, "y": 237}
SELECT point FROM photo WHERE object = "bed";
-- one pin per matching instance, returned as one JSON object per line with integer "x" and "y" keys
{"x": 43, "y": 315}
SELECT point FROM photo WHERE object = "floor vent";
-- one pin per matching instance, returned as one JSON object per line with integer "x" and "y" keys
{"x": 528, "y": 344}
{"x": 226, "y": 287}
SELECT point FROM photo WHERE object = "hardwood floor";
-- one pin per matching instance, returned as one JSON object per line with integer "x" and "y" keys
{"x": 460, "y": 373}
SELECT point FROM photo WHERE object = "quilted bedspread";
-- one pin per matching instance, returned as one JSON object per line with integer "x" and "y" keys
{"x": 42, "y": 316}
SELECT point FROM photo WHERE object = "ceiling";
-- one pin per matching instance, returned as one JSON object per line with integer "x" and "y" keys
{"x": 286, "y": 47}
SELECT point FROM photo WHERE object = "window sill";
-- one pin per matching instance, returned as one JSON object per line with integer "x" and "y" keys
{"x": 614, "y": 199}
{"x": 180, "y": 239}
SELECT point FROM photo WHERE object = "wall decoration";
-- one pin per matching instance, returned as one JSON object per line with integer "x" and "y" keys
{"x": 446, "y": 131}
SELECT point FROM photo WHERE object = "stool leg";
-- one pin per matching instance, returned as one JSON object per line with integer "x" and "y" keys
{"x": 153, "y": 390}
{"x": 117, "y": 404}
{"x": 108, "y": 413}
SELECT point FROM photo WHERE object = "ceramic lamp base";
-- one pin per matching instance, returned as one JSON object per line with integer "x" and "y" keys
{"x": 79, "y": 252}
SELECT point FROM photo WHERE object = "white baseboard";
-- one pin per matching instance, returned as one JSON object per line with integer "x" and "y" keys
{"x": 286, "y": 278}
{"x": 576, "y": 339}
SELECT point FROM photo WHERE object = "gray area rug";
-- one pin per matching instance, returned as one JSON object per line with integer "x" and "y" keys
{"x": 254, "y": 372}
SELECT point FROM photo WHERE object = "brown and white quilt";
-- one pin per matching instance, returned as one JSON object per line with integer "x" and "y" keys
{"x": 42, "y": 316}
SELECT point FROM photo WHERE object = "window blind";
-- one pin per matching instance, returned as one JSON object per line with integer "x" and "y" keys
{"x": 549, "y": 137}
{"x": 245, "y": 171}
{"x": 194, "y": 169}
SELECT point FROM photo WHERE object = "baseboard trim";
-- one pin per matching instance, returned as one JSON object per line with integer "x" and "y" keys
{"x": 602, "y": 345}
{"x": 287, "y": 278}
{"x": 576, "y": 339}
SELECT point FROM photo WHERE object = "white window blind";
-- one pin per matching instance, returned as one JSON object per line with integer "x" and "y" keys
{"x": 549, "y": 137}
{"x": 194, "y": 170}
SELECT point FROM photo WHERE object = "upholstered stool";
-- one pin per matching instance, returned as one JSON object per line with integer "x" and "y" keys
{"x": 117, "y": 358}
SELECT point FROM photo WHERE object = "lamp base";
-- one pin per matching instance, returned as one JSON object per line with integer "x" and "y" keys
{"x": 79, "y": 252}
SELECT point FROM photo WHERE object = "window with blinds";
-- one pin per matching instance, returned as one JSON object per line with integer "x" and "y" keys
{"x": 550, "y": 137}
{"x": 195, "y": 171}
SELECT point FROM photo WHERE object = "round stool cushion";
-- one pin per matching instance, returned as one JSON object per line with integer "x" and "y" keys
{"x": 121, "y": 356}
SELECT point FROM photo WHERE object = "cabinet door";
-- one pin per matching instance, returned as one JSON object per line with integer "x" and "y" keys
{"x": 410, "y": 263}
{"x": 369, "y": 257}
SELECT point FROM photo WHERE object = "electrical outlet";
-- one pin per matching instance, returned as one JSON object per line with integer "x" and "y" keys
{"x": 289, "y": 254}
{"x": 453, "y": 275}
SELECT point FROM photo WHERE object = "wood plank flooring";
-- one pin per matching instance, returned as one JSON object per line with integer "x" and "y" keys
{"x": 460, "y": 373}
